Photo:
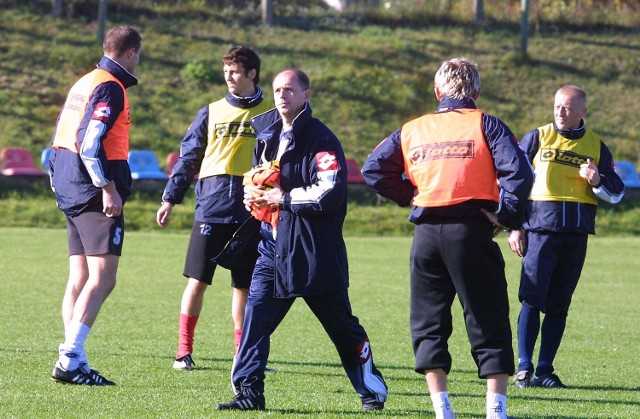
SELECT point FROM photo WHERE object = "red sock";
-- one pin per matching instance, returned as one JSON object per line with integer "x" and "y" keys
{"x": 186, "y": 331}
{"x": 236, "y": 338}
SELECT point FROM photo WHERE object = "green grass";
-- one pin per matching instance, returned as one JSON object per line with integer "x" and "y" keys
{"x": 134, "y": 338}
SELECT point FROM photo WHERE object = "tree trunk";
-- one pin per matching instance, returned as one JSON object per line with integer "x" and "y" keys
{"x": 478, "y": 10}
{"x": 524, "y": 28}
{"x": 102, "y": 18}
{"x": 267, "y": 12}
{"x": 56, "y": 10}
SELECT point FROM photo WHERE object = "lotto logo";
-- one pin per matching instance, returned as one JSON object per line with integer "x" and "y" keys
{"x": 365, "y": 351}
{"x": 565, "y": 157}
{"x": 102, "y": 112}
{"x": 446, "y": 150}
{"x": 234, "y": 130}
{"x": 326, "y": 160}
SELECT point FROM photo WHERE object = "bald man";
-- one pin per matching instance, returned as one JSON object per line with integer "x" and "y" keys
{"x": 574, "y": 169}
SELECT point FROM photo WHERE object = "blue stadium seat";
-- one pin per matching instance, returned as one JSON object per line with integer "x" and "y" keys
{"x": 628, "y": 173}
{"x": 144, "y": 165}
{"x": 44, "y": 158}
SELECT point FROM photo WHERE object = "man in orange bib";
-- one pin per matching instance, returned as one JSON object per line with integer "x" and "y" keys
{"x": 464, "y": 174}
{"x": 91, "y": 180}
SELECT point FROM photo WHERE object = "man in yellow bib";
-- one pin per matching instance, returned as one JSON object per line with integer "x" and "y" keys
{"x": 218, "y": 147}
{"x": 573, "y": 169}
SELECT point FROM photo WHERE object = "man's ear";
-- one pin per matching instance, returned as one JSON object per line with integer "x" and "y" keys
{"x": 439, "y": 94}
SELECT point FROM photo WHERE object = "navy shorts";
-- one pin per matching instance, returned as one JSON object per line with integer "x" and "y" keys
{"x": 207, "y": 241}
{"x": 92, "y": 233}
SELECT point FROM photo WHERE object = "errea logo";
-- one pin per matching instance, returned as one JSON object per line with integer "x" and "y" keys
{"x": 565, "y": 157}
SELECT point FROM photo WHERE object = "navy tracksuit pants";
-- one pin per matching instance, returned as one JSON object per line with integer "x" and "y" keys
{"x": 551, "y": 268}
{"x": 264, "y": 313}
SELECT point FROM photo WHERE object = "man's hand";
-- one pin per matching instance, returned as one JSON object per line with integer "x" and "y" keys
{"x": 516, "y": 242}
{"x": 162, "y": 216}
{"x": 589, "y": 171}
{"x": 257, "y": 197}
{"x": 111, "y": 200}
{"x": 493, "y": 217}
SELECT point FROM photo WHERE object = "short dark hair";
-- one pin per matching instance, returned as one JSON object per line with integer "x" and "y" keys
{"x": 120, "y": 39}
{"x": 302, "y": 77}
{"x": 247, "y": 58}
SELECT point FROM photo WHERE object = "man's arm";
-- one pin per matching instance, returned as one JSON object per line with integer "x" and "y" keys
{"x": 384, "y": 169}
{"x": 515, "y": 174}
{"x": 328, "y": 190}
{"x": 192, "y": 150}
{"x": 106, "y": 104}
{"x": 610, "y": 188}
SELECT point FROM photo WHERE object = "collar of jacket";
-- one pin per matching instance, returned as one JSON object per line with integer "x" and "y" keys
{"x": 127, "y": 79}
{"x": 572, "y": 134}
{"x": 269, "y": 124}
{"x": 245, "y": 102}
{"x": 448, "y": 103}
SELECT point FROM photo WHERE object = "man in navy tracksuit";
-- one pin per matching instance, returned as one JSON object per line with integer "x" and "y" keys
{"x": 302, "y": 252}
{"x": 574, "y": 169}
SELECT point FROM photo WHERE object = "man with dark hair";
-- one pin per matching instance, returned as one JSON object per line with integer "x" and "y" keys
{"x": 120, "y": 39}
{"x": 91, "y": 180}
{"x": 302, "y": 252}
{"x": 218, "y": 146}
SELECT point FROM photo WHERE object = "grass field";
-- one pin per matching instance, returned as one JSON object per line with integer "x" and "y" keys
{"x": 133, "y": 340}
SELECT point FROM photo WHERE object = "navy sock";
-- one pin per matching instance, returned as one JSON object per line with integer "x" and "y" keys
{"x": 528, "y": 328}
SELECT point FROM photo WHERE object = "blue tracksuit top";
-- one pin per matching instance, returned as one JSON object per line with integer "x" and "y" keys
{"x": 73, "y": 187}
{"x": 570, "y": 217}
{"x": 384, "y": 169}
{"x": 218, "y": 198}
{"x": 309, "y": 253}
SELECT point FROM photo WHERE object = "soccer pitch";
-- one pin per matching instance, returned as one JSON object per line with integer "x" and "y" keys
{"x": 133, "y": 341}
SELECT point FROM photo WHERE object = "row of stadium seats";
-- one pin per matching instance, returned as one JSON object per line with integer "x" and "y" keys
{"x": 18, "y": 161}
{"x": 144, "y": 165}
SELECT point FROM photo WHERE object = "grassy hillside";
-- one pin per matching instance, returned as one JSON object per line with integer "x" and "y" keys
{"x": 370, "y": 72}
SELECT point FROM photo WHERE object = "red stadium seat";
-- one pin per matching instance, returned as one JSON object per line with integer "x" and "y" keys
{"x": 172, "y": 159}
{"x": 18, "y": 161}
{"x": 354, "y": 175}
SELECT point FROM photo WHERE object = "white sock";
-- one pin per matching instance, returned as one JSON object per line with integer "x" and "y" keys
{"x": 442, "y": 405}
{"x": 72, "y": 352}
{"x": 496, "y": 406}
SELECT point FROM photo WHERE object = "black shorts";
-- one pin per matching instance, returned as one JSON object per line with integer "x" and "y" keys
{"x": 207, "y": 240}
{"x": 92, "y": 233}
